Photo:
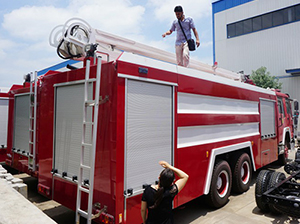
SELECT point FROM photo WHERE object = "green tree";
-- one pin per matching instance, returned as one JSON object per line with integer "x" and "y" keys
{"x": 263, "y": 79}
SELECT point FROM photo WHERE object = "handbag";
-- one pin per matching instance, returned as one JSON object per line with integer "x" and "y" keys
{"x": 190, "y": 42}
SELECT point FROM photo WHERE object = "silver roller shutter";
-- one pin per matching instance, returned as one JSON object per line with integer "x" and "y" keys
{"x": 148, "y": 132}
{"x": 267, "y": 118}
{"x": 68, "y": 130}
{"x": 21, "y": 123}
{"x": 3, "y": 121}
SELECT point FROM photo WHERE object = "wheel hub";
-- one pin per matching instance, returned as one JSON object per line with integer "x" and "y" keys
{"x": 222, "y": 184}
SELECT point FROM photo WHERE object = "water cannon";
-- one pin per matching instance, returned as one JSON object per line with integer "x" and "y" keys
{"x": 72, "y": 38}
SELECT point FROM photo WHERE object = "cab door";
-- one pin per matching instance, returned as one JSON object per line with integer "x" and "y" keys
{"x": 289, "y": 114}
{"x": 281, "y": 116}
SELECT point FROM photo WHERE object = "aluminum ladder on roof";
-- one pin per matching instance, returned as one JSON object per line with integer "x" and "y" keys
{"x": 114, "y": 46}
{"x": 32, "y": 122}
{"x": 82, "y": 185}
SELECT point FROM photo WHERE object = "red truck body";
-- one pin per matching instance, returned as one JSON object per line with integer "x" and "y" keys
{"x": 155, "y": 111}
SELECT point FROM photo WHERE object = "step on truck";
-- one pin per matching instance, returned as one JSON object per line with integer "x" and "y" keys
{"x": 104, "y": 127}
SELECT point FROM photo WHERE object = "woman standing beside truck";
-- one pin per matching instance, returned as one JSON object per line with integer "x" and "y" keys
{"x": 157, "y": 199}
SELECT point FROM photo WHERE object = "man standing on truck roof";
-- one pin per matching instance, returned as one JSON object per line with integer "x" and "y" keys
{"x": 181, "y": 46}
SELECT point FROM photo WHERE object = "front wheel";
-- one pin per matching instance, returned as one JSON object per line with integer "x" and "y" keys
{"x": 220, "y": 185}
{"x": 262, "y": 182}
{"x": 275, "y": 178}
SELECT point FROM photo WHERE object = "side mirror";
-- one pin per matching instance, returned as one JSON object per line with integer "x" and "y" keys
{"x": 296, "y": 105}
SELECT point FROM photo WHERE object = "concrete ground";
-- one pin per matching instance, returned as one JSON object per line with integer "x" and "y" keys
{"x": 15, "y": 208}
{"x": 240, "y": 208}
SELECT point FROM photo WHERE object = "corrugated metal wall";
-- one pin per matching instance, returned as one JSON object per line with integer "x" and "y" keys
{"x": 276, "y": 48}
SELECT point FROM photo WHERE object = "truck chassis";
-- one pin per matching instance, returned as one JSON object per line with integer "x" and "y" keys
{"x": 276, "y": 193}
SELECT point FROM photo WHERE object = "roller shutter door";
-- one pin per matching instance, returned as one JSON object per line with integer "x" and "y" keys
{"x": 21, "y": 123}
{"x": 3, "y": 121}
{"x": 68, "y": 130}
{"x": 267, "y": 118}
{"x": 149, "y": 109}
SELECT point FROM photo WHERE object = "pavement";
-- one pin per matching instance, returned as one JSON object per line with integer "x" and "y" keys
{"x": 16, "y": 209}
{"x": 241, "y": 209}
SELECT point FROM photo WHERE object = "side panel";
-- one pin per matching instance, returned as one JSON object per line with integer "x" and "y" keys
{"x": 214, "y": 116}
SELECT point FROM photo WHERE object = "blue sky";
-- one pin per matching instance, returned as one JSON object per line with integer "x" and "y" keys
{"x": 25, "y": 26}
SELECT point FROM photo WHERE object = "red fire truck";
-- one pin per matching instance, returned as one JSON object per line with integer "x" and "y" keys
{"x": 103, "y": 128}
{"x": 4, "y": 111}
{"x": 21, "y": 138}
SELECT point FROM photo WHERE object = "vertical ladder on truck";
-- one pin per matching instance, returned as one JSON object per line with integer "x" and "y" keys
{"x": 83, "y": 186}
{"x": 32, "y": 122}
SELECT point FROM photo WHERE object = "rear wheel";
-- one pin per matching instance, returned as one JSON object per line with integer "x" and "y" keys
{"x": 275, "y": 178}
{"x": 260, "y": 187}
{"x": 220, "y": 185}
{"x": 242, "y": 174}
{"x": 297, "y": 155}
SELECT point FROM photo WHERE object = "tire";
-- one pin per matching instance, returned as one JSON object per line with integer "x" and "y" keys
{"x": 297, "y": 155}
{"x": 242, "y": 174}
{"x": 275, "y": 178}
{"x": 261, "y": 186}
{"x": 220, "y": 185}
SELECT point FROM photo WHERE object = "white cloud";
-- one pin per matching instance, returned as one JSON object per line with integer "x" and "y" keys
{"x": 36, "y": 22}
{"x": 207, "y": 44}
{"x": 5, "y": 46}
{"x": 27, "y": 30}
{"x": 33, "y": 23}
{"x": 193, "y": 8}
